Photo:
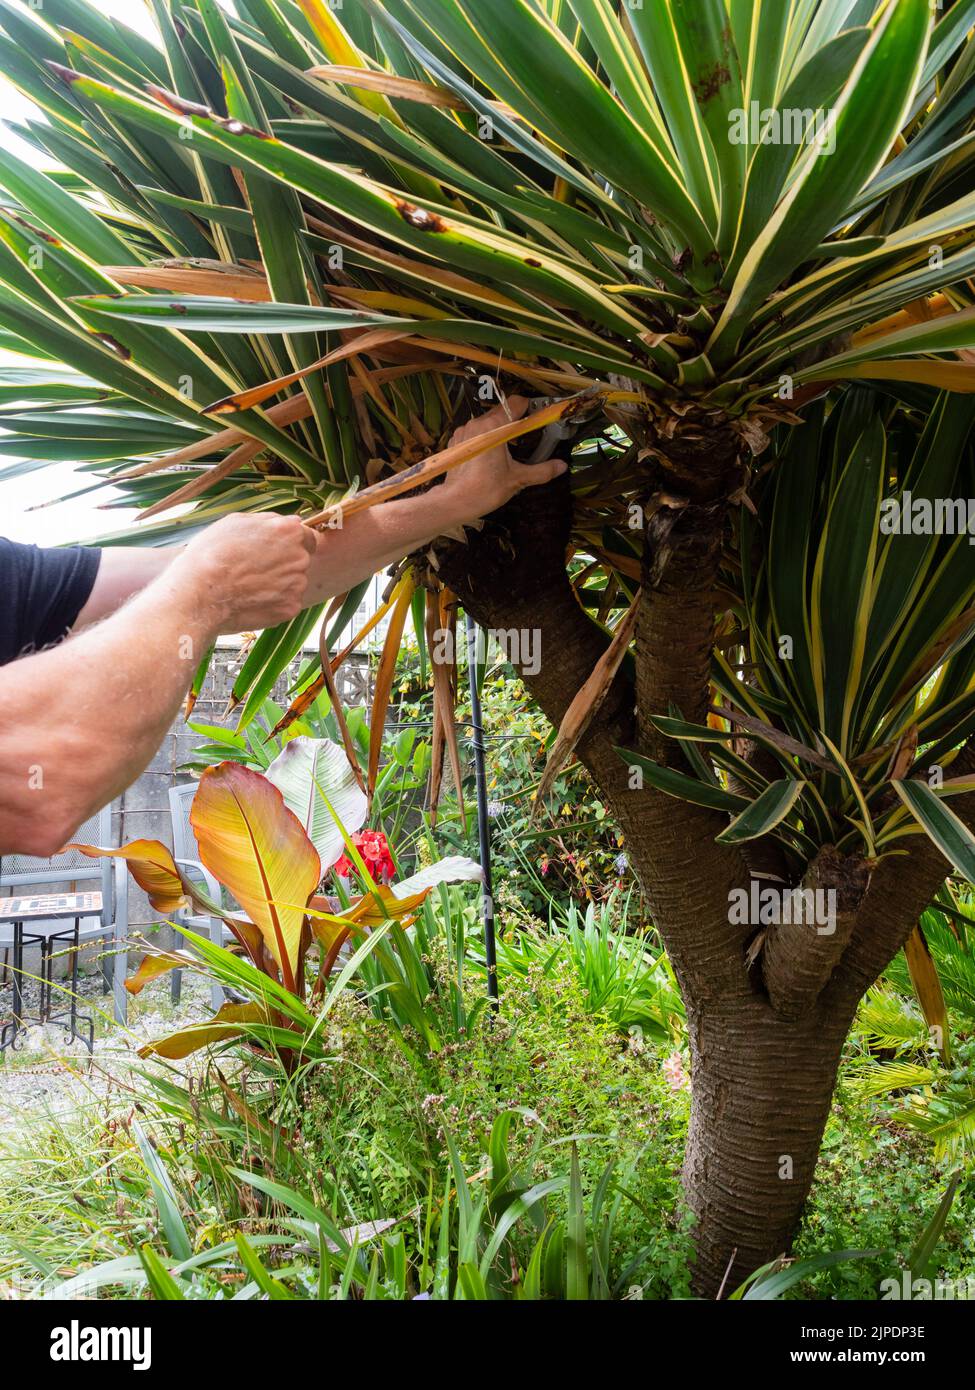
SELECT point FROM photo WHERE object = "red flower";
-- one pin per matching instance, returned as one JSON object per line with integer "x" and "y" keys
{"x": 374, "y": 848}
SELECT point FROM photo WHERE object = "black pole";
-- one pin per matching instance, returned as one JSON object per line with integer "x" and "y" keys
{"x": 483, "y": 828}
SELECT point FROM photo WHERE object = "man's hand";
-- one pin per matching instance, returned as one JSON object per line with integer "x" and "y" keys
{"x": 378, "y": 537}
{"x": 486, "y": 482}
{"x": 250, "y": 571}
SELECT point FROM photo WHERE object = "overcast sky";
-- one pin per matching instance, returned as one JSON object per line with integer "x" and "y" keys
{"x": 79, "y": 518}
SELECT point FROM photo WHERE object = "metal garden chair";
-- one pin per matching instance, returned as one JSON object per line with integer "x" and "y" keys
{"x": 186, "y": 852}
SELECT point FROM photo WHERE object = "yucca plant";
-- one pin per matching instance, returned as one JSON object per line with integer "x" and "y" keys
{"x": 285, "y": 247}
{"x": 928, "y": 1081}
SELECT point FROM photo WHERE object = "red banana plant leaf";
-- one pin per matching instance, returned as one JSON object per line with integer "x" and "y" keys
{"x": 153, "y": 868}
{"x": 259, "y": 850}
{"x": 230, "y": 1021}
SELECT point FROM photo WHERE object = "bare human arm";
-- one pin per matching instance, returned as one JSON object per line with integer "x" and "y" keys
{"x": 123, "y": 572}
{"x": 78, "y": 723}
{"x": 370, "y": 540}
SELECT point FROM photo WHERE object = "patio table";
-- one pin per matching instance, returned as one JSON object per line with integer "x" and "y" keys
{"x": 47, "y": 908}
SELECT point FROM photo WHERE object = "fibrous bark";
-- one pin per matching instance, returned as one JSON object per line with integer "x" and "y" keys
{"x": 761, "y": 1093}
{"x": 765, "y": 1037}
{"x": 799, "y": 956}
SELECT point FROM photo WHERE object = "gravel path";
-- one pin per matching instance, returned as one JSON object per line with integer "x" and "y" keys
{"x": 51, "y": 1076}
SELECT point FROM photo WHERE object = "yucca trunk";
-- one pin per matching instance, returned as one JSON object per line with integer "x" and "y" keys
{"x": 761, "y": 1086}
{"x": 761, "y": 1094}
{"x": 765, "y": 1034}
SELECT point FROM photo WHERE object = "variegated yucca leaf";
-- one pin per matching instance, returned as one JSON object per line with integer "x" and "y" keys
{"x": 589, "y": 190}
{"x": 277, "y": 251}
{"x": 855, "y": 626}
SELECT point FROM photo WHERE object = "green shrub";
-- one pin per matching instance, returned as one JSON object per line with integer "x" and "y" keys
{"x": 876, "y": 1185}
{"x": 378, "y": 1118}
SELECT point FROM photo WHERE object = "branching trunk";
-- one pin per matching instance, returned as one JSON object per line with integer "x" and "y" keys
{"x": 799, "y": 956}
{"x": 765, "y": 1035}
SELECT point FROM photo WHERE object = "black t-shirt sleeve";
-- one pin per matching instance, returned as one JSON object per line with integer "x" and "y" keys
{"x": 41, "y": 594}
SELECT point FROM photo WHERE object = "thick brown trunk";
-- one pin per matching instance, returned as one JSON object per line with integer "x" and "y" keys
{"x": 762, "y": 1080}
{"x": 761, "y": 1096}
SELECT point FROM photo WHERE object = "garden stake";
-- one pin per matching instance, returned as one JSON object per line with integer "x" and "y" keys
{"x": 483, "y": 829}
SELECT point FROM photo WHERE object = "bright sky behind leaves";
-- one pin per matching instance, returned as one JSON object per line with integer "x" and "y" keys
{"x": 79, "y": 518}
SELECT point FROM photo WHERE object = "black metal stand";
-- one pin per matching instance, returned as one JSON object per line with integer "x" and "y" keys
{"x": 483, "y": 829}
{"x": 15, "y": 1023}
{"x": 68, "y": 1018}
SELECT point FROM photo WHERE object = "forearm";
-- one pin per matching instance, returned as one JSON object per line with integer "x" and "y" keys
{"x": 371, "y": 540}
{"x": 80, "y": 722}
{"x": 123, "y": 571}
{"x": 485, "y": 480}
